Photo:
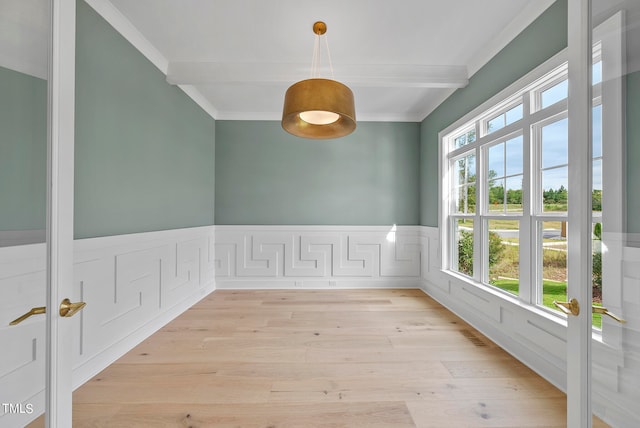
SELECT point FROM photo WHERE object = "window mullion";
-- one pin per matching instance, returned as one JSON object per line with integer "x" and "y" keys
{"x": 504, "y": 180}
{"x": 537, "y": 215}
{"x": 526, "y": 293}
{"x": 479, "y": 250}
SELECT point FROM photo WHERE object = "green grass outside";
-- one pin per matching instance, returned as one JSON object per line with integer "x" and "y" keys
{"x": 504, "y": 224}
{"x": 552, "y": 290}
{"x": 509, "y": 224}
{"x": 555, "y": 207}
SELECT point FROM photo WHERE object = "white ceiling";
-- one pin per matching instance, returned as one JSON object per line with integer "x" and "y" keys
{"x": 400, "y": 58}
{"x": 236, "y": 58}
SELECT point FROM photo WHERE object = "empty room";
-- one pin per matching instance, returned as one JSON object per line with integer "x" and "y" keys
{"x": 260, "y": 213}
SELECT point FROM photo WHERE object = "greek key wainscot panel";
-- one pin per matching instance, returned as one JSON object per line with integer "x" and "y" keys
{"x": 317, "y": 256}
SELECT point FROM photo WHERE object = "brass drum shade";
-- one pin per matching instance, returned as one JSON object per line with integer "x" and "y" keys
{"x": 319, "y": 95}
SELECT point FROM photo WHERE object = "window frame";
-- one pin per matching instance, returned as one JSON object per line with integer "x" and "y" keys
{"x": 521, "y": 92}
{"x": 528, "y": 90}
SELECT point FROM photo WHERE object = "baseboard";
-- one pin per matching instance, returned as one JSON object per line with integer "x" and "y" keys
{"x": 319, "y": 284}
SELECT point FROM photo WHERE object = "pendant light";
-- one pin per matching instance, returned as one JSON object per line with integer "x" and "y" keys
{"x": 319, "y": 108}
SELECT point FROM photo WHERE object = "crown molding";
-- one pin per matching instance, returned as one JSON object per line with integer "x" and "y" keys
{"x": 122, "y": 25}
{"x": 528, "y": 14}
{"x": 201, "y": 100}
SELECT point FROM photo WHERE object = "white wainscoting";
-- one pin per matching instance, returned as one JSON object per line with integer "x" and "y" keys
{"x": 317, "y": 256}
{"x": 132, "y": 284}
{"x": 538, "y": 338}
{"x": 22, "y": 357}
{"x": 137, "y": 283}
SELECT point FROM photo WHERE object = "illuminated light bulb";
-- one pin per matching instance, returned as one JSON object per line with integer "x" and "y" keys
{"x": 319, "y": 117}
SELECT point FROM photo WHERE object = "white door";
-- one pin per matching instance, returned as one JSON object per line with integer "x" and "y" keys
{"x": 579, "y": 225}
{"x": 37, "y": 43}
{"x": 603, "y": 340}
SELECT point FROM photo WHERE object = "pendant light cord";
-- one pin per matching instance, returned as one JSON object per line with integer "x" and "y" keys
{"x": 326, "y": 40}
{"x": 315, "y": 61}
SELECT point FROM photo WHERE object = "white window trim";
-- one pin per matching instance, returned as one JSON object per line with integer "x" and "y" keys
{"x": 610, "y": 36}
{"x": 489, "y": 108}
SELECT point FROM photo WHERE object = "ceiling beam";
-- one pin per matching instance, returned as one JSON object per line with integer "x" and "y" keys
{"x": 377, "y": 75}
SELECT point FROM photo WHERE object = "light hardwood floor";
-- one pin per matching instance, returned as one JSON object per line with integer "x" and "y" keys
{"x": 300, "y": 358}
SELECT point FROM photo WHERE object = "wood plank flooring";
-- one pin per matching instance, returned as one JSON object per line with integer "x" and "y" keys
{"x": 301, "y": 358}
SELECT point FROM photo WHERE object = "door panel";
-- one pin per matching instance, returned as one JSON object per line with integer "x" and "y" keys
{"x": 37, "y": 72}
{"x": 615, "y": 358}
{"x": 60, "y": 214}
{"x": 579, "y": 343}
{"x": 24, "y": 44}
{"x": 603, "y": 362}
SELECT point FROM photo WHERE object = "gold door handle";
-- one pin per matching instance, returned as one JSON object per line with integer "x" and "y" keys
{"x": 605, "y": 311}
{"x": 33, "y": 311}
{"x": 572, "y": 307}
{"x": 68, "y": 309}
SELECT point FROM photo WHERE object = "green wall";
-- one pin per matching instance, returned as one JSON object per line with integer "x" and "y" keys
{"x": 266, "y": 176}
{"x": 144, "y": 150}
{"x": 23, "y": 151}
{"x": 633, "y": 152}
{"x": 545, "y": 37}
{"x": 148, "y": 158}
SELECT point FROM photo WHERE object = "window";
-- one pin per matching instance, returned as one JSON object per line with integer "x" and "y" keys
{"x": 505, "y": 177}
{"x": 465, "y": 186}
{"x": 466, "y": 137}
{"x": 554, "y": 94}
{"x": 503, "y": 119}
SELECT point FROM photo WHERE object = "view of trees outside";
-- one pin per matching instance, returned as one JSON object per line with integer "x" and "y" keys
{"x": 503, "y": 190}
{"x": 465, "y": 246}
{"x": 505, "y": 176}
{"x": 504, "y": 258}
{"x": 466, "y": 185}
